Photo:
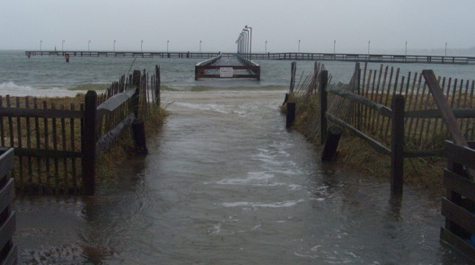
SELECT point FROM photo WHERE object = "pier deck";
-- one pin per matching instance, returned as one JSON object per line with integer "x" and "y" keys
{"x": 227, "y": 67}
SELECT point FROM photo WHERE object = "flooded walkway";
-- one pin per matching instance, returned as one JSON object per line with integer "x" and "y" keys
{"x": 225, "y": 183}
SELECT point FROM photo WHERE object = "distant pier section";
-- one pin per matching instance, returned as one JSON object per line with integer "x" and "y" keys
{"x": 229, "y": 67}
{"x": 345, "y": 57}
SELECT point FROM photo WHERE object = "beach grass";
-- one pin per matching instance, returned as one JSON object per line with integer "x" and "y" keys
{"x": 356, "y": 155}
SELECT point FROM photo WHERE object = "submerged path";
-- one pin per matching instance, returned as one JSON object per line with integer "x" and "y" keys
{"x": 225, "y": 183}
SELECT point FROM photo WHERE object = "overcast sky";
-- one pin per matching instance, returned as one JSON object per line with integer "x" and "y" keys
{"x": 386, "y": 24}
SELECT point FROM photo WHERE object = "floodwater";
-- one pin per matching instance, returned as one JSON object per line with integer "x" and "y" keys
{"x": 226, "y": 183}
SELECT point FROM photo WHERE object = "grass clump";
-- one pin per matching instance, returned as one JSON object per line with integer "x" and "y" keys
{"x": 123, "y": 149}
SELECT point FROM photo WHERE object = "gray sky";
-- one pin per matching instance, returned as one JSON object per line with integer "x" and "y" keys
{"x": 387, "y": 24}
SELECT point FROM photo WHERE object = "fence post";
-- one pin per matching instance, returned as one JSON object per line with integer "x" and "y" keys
{"x": 397, "y": 144}
{"x": 88, "y": 143}
{"x": 331, "y": 144}
{"x": 157, "y": 85}
{"x": 138, "y": 132}
{"x": 293, "y": 69}
{"x": 136, "y": 78}
{"x": 290, "y": 115}
{"x": 323, "y": 105}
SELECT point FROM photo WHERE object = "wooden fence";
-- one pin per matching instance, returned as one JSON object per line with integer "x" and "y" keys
{"x": 458, "y": 206}
{"x": 367, "y": 107}
{"x": 8, "y": 250}
{"x": 56, "y": 143}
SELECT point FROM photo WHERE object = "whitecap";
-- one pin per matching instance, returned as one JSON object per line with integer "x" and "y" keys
{"x": 12, "y": 89}
{"x": 283, "y": 204}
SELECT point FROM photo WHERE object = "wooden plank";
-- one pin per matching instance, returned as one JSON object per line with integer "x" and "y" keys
{"x": 38, "y": 143}
{"x": 88, "y": 144}
{"x": 7, "y": 194}
{"x": 19, "y": 143}
{"x": 373, "y": 143}
{"x": 10, "y": 124}
{"x": 46, "y": 135}
{"x": 463, "y": 186}
{"x": 73, "y": 148}
{"x": 458, "y": 215}
{"x": 447, "y": 113}
{"x": 381, "y": 109}
{"x": 55, "y": 149}
{"x": 397, "y": 144}
{"x": 6, "y": 161}
{"x": 441, "y": 102}
{"x": 457, "y": 243}
{"x": 323, "y": 105}
{"x": 114, "y": 102}
{"x": 460, "y": 154}
{"x": 7, "y": 230}
{"x": 107, "y": 139}
{"x": 28, "y": 139}
{"x": 420, "y": 122}
{"x": 65, "y": 160}
{"x": 410, "y": 121}
{"x": 435, "y": 113}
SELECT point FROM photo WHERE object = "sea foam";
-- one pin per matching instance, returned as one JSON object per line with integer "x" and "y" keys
{"x": 12, "y": 89}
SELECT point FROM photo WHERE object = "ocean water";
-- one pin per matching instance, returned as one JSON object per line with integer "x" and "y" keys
{"x": 52, "y": 76}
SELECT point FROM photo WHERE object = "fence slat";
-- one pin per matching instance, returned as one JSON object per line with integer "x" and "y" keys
{"x": 458, "y": 215}
{"x": 65, "y": 160}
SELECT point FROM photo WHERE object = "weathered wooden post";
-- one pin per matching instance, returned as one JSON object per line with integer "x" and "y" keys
{"x": 290, "y": 115}
{"x": 157, "y": 85}
{"x": 293, "y": 69}
{"x": 331, "y": 143}
{"x": 323, "y": 105}
{"x": 138, "y": 131}
{"x": 286, "y": 98}
{"x": 88, "y": 143}
{"x": 136, "y": 78}
{"x": 397, "y": 144}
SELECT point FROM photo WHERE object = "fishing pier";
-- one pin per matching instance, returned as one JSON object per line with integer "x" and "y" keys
{"x": 294, "y": 56}
{"x": 228, "y": 67}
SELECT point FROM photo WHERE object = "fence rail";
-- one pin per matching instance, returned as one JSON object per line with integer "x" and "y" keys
{"x": 8, "y": 250}
{"x": 51, "y": 139}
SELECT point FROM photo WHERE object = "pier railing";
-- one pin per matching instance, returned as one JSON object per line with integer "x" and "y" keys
{"x": 292, "y": 56}
{"x": 56, "y": 143}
